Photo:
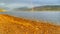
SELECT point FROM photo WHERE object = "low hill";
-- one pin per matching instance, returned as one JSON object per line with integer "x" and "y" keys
{"x": 47, "y": 8}
{"x": 41, "y": 8}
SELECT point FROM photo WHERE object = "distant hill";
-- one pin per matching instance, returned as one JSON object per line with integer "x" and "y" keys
{"x": 47, "y": 8}
{"x": 41, "y": 8}
{"x": 21, "y": 9}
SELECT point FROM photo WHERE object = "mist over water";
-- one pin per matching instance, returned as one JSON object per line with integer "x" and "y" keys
{"x": 45, "y": 16}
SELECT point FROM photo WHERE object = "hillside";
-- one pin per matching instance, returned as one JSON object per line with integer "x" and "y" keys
{"x": 21, "y": 9}
{"x": 41, "y": 8}
{"x": 47, "y": 8}
{"x": 14, "y": 25}
{"x": 3, "y": 10}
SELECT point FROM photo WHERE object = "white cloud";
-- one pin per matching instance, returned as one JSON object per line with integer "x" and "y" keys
{"x": 2, "y": 4}
{"x": 16, "y": 5}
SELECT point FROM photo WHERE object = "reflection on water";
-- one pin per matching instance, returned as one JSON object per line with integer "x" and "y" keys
{"x": 47, "y": 16}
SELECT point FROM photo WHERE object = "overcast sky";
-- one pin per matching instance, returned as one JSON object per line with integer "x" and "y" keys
{"x": 20, "y": 3}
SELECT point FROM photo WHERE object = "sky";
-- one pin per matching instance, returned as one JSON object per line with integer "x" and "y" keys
{"x": 27, "y": 3}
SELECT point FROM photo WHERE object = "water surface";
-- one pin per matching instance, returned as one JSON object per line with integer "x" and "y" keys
{"x": 46, "y": 16}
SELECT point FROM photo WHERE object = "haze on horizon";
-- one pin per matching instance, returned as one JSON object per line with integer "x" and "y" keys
{"x": 27, "y": 3}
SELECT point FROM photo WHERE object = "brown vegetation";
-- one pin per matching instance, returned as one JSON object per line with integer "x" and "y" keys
{"x": 14, "y": 25}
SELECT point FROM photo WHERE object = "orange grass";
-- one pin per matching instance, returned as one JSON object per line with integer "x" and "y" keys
{"x": 14, "y": 25}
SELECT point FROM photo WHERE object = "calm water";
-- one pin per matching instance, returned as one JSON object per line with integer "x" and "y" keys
{"x": 47, "y": 16}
